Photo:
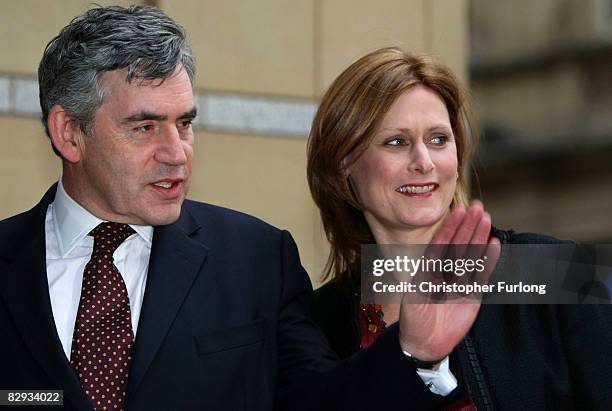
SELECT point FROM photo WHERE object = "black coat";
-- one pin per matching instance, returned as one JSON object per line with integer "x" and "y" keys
{"x": 530, "y": 357}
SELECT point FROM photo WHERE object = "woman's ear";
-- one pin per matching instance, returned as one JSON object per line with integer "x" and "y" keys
{"x": 353, "y": 190}
{"x": 348, "y": 165}
{"x": 345, "y": 169}
{"x": 66, "y": 134}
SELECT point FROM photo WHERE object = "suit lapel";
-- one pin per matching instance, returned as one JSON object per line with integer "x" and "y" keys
{"x": 174, "y": 265}
{"x": 26, "y": 293}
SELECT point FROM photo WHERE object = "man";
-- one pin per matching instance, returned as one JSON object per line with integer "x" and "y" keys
{"x": 121, "y": 293}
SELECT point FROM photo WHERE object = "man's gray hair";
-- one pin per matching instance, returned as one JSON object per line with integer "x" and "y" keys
{"x": 141, "y": 39}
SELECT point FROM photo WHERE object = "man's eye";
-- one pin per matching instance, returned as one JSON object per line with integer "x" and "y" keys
{"x": 144, "y": 129}
{"x": 186, "y": 123}
{"x": 439, "y": 140}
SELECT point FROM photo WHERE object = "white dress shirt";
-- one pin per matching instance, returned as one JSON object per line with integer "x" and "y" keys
{"x": 69, "y": 248}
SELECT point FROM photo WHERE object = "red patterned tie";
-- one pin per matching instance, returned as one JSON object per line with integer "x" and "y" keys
{"x": 103, "y": 340}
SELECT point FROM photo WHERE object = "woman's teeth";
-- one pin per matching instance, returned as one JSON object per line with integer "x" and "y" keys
{"x": 416, "y": 189}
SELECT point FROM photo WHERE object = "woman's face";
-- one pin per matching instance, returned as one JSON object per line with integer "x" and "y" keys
{"x": 406, "y": 178}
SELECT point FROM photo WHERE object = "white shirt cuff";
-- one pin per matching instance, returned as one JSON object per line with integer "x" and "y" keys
{"x": 441, "y": 381}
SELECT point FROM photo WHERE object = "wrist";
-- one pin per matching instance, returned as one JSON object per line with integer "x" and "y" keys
{"x": 424, "y": 364}
{"x": 421, "y": 352}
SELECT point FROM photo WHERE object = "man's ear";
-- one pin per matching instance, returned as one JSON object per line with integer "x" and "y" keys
{"x": 66, "y": 134}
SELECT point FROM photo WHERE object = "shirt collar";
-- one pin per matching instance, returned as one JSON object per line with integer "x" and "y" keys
{"x": 73, "y": 223}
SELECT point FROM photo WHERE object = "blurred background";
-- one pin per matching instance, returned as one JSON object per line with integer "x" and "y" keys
{"x": 541, "y": 79}
{"x": 539, "y": 75}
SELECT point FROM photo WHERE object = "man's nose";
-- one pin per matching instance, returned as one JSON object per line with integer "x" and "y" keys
{"x": 172, "y": 147}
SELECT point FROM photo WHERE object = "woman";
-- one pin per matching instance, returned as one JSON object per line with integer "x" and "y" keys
{"x": 387, "y": 159}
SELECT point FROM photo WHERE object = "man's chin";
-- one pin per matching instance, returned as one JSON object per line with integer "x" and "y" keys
{"x": 164, "y": 216}
{"x": 165, "y": 221}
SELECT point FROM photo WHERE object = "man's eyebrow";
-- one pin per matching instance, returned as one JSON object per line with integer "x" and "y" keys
{"x": 144, "y": 115}
{"x": 147, "y": 115}
{"x": 191, "y": 114}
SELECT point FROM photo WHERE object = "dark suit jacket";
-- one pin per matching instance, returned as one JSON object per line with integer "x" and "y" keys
{"x": 225, "y": 325}
{"x": 531, "y": 357}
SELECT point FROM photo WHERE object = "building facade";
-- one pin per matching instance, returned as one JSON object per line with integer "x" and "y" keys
{"x": 541, "y": 79}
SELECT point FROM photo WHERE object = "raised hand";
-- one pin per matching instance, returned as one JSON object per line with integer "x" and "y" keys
{"x": 431, "y": 331}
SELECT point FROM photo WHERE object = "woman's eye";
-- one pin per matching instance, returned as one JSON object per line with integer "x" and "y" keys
{"x": 395, "y": 141}
{"x": 439, "y": 140}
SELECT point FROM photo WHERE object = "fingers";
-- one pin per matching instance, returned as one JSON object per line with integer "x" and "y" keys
{"x": 493, "y": 250}
{"x": 471, "y": 226}
{"x": 480, "y": 237}
{"x": 491, "y": 255}
{"x": 470, "y": 223}
{"x": 447, "y": 231}
{"x": 438, "y": 246}
{"x": 464, "y": 237}
{"x": 466, "y": 233}
{"x": 483, "y": 230}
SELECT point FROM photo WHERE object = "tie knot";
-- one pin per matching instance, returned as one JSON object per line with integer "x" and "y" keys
{"x": 109, "y": 236}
